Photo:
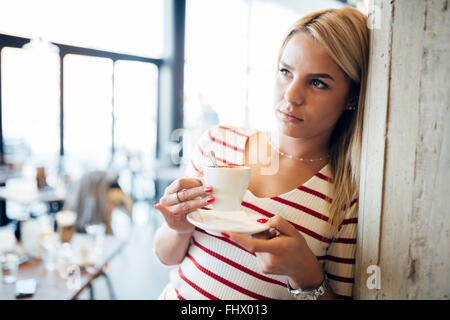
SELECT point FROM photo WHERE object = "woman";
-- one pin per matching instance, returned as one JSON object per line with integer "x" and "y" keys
{"x": 310, "y": 197}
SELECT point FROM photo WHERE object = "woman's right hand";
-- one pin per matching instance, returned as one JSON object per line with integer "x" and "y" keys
{"x": 181, "y": 197}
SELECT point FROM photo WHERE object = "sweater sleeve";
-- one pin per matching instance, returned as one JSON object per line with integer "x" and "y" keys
{"x": 228, "y": 144}
{"x": 339, "y": 264}
{"x": 194, "y": 168}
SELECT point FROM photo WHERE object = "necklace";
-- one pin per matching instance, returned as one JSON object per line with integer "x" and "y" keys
{"x": 291, "y": 156}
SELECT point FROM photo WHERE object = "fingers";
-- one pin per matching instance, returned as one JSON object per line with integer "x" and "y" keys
{"x": 267, "y": 234}
{"x": 162, "y": 209}
{"x": 185, "y": 195}
{"x": 175, "y": 222}
{"x": 183, "y": 183}
{"x": 193, "y": 193}
{"x": 186, "y": 207}
{"x": 270, "y": 245}
{"x": 182, "y": 190}
{"x": 262, "y": 235}
{"x": 253, "y": 245}
{"x": 283, "y": 226}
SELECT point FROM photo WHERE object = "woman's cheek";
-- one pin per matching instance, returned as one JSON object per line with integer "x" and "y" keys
{"x": 278, "y": 92}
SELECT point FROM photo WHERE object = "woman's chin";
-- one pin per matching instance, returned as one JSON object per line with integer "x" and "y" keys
{"x": 289, "y": 129}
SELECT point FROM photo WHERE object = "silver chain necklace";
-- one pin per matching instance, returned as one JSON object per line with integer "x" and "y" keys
{"x": 291, "y": 156}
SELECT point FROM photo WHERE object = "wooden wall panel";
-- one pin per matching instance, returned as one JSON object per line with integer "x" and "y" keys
{"x": 404, "y": 219}
{"x": 373, "y": 151}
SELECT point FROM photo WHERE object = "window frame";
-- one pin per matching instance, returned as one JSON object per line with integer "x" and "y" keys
{"x": 19, "y": 42}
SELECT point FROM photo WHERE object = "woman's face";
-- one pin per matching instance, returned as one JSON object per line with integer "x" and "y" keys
{"x": 310, "y": 91}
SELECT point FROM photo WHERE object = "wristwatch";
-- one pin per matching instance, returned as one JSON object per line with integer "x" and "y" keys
{"x": 312, "y": 294}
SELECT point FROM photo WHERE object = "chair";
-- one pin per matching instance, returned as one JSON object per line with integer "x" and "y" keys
{"x": 94, "y": 198}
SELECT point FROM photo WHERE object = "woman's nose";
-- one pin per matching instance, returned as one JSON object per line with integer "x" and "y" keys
{"x": 294, "y": 93}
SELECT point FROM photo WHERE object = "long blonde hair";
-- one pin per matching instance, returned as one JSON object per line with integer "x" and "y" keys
{"x": 345, "y": 36}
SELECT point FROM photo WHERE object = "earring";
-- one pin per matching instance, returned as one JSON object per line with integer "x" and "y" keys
{"x": 351, "y": 108}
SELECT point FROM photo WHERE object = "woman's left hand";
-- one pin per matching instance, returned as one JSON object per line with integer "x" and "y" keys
{"x": 287, "y": 254}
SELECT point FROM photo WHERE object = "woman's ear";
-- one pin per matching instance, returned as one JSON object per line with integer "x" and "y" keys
{"x": 352, "y": 100}
{"x": 351, "y": 104}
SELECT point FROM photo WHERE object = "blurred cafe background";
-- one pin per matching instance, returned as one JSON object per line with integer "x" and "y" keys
{"x": 100, "y": 104}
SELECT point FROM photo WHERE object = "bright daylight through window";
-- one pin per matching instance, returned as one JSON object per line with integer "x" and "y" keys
{"x": 117, "y": 111}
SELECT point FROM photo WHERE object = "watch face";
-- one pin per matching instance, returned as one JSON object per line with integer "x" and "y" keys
{"x": 309, "y": 294}
{"x": 305, "y": 296}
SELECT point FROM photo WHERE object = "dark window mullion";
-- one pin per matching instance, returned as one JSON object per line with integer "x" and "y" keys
{"x": 113, "y": 115}
{"x": 2, "y": 155}
{"x": 61, "y": 103}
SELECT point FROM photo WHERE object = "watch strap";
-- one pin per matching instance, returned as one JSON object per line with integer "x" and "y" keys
{"x": 313, "y": 294}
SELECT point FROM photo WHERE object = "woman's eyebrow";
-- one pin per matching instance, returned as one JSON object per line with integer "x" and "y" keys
{"x": 321, "y": 75}
{"x": 317, "y": 75}
{"x": 284, "y": 64}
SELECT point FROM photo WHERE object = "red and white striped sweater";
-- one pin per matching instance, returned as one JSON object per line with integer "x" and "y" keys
{"x": 217, "y": 268}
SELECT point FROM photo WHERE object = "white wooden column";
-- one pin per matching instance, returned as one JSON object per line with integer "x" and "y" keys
{"x": 404, "y": 218}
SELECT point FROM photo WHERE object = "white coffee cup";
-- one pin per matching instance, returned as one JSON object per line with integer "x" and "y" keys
{"x": 229, "y": 186}
{"x": 66, "y": 224}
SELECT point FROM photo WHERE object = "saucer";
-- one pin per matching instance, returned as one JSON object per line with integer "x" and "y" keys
{"x": 216, "y": 222}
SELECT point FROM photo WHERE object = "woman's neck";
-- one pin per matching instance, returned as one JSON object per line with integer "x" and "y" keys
{"x": 310, "y": 148}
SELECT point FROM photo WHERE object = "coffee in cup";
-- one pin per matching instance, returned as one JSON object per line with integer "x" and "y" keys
{"x": 229, "y": 185}
{"x": 66, "y": 224}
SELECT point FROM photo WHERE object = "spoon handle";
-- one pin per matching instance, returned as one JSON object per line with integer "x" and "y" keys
{"x": 212, "y": 157}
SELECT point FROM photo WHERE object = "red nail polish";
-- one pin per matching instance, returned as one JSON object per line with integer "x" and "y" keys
{"x": 210, "y": 199}
{"x": 262, "y": 220}
{"x": 226, "y": 235}
{"x": 207, "y": 189}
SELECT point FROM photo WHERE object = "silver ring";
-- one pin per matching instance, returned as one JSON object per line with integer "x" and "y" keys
{"x": 178, "y": 199}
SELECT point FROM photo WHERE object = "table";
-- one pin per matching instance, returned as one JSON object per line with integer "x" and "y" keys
{"x": 51, "y": 286}
{"x": 27, "y": 194}
{"x": 6, "y": 174}
{"x": 30, "y": 195}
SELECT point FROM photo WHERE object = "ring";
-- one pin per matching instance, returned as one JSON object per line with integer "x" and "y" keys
{"x": 178, "y": 199}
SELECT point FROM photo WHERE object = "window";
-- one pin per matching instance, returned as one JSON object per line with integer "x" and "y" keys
{"x": 125, "y": 26}
{"x": 231, "y": 52}
{"x": 216, "y": 61}
{"x": 110, "y": 97}
{"x": 30, "y": 104}
{"x": 135, "y": 110}
{"x": 88, "y": 110}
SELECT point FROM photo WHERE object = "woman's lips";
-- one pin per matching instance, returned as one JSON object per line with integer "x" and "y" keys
{"x": 287, "y": 116}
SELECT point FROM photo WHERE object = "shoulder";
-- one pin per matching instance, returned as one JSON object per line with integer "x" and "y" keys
{"x": 227, "y": 142}
{"x": 226, "y": 135}
{"x": 230, "y": 132}
{"x": 349, "y": 218}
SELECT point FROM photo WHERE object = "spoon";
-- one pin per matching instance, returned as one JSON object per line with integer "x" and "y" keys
{"x": 212, "y": 157}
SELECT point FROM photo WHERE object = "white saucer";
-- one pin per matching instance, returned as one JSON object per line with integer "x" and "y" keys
{"x": 216, "y": 222}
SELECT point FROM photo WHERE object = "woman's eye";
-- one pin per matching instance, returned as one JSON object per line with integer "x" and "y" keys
{"x": 284, "y": 72}
{"x": 318, "y": 84}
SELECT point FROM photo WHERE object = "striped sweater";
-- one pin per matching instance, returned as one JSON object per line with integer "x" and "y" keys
{"x": 217, "y": 268}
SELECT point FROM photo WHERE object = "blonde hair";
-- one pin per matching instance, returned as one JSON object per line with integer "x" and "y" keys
{"x": 345, "y": 36}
